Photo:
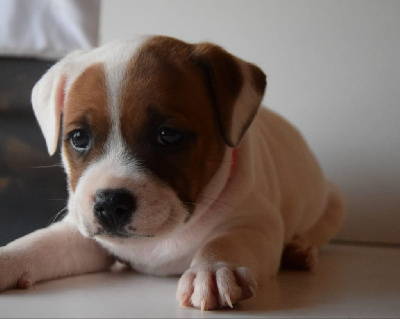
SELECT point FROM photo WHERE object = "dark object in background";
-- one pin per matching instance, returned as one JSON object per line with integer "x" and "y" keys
{"x": 30, "y": 194}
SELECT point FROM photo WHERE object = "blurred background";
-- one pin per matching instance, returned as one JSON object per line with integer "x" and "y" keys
{"x": 333, "y": 70}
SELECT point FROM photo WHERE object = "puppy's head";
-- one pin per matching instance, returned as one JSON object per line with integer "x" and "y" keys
{"x": 145, "y": 126}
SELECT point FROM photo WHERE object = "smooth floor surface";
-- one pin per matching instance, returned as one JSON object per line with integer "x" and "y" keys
{"x": 351, "y": 282}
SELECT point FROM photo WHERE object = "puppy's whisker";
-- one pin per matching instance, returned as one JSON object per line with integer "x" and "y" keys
{"x": 49, "y": 166}
{"x": 59, "y": 215}
{"x": 202, "y": 202}
{"x": 214, "y": 208}
{"x": 216, "y": 200}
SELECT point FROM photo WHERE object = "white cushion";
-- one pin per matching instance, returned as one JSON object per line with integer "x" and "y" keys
{"x": 47, "y": 28}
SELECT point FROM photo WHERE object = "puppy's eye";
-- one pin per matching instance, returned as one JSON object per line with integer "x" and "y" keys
{"x": 80, "y": 139}
{"x": 169, "y": 136}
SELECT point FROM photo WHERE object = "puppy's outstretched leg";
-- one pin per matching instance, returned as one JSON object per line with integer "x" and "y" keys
{"x": 57, "y": 251}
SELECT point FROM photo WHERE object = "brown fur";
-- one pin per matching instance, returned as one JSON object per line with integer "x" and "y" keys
{"x": 86, "y": 108}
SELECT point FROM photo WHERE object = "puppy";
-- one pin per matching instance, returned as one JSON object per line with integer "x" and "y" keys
{"x": 173, "y": 168}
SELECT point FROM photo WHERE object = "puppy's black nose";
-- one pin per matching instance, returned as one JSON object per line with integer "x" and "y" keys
{"x": 113, "y": 208}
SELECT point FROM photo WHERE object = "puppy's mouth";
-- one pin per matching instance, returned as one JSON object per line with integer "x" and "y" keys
{"x": 114, "y": 233}
{"x": 121, "y": 234}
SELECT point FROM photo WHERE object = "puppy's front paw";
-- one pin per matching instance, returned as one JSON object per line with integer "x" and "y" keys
{"x": 12, "y": 274}
{"x": 217, "y": 285}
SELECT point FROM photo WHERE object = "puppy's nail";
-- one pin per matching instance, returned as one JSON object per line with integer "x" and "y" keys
{"x": 228, "y": 300}
{"x": 203, "y": 305}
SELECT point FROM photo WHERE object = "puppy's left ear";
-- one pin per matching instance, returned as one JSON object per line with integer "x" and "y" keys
{"x": 236, "y": 88}
{"x": 48, "y": 97}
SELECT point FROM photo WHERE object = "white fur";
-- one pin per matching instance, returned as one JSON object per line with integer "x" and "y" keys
{"x": 115, "y": 69}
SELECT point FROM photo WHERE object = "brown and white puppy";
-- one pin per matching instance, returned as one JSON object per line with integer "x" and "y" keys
{"x": 174, "y": 169}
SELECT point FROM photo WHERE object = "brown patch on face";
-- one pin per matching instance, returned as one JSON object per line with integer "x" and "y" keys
{"x": 86, "y": 108}
{"x": 166, "y": 88}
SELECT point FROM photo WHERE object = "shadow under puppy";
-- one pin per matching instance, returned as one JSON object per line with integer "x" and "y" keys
{"x": 173, "y": 168}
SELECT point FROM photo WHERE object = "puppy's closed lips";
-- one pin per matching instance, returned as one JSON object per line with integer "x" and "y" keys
{"x": 122, "y": 234}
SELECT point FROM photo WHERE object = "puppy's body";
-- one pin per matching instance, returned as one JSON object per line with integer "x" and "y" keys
{"x": 166, "y": 174}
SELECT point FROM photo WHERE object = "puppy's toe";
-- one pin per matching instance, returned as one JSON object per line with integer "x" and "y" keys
{"x": 228, "y": 289}
{"x": 185, "y": 289}
{"x": 14, "y": 273}
{"x": 205, "y": 294}
{"x": 299, "y": 254}
{"x": 215, "y": 286}
{"x": 246, "y": 282}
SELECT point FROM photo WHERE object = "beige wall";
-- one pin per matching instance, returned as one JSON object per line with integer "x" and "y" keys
{"x": 333, "y": 69}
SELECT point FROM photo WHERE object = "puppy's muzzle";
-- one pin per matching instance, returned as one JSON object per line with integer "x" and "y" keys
{"x": 114, "y": 208}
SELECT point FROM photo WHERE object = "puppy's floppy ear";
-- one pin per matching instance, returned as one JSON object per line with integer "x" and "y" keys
{"x": 236, "y": 88}
{"x": 48, "y": 97}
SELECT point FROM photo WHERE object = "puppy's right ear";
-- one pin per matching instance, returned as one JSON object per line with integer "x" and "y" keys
{"x": 48, "y": 97}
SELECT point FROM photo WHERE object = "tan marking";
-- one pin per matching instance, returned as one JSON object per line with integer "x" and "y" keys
{"x": 86, "y": 107}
